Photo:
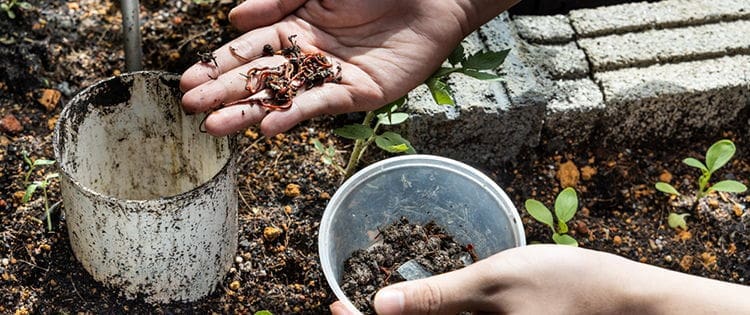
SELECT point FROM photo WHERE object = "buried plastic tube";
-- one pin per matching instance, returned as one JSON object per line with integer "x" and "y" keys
{"x": 132, "y": 31}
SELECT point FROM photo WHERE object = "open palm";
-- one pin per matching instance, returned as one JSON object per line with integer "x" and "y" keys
{"x": 385, "y": 48}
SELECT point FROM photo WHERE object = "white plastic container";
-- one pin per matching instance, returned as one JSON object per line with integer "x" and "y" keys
{"x": 422, "y": 188}
{"x": 150, "y": 201}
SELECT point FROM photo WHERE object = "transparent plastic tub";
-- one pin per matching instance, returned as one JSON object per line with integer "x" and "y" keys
{"x": 422, "y": 188}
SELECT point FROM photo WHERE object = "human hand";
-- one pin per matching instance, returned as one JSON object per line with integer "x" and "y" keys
{"x": 385, "y": 49}
{"x": 554, "y": 279}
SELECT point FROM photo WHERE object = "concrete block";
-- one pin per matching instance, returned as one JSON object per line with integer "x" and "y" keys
{"x": 565, "y": 61}
{"x": 638, "y": 16}
{"x": 574, "y": 111}
{"x": 674, "y": 101}
{"x": 667, "y": 45}
{"x": 544, "y": 29}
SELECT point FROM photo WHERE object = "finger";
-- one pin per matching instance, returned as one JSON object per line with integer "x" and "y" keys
{"x": 227, "y": 87}
{"x": 338, "y": 308}
{"x": 330, "y": 98}
{"x": 252, "y": 14}
{"x": 231, "y": 119}
{"x": 449, "y": 293}
{"x": 356, "y": 92}
{"x": 239, "y": 51}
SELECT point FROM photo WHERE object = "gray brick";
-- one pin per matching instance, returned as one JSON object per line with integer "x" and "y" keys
{"x": 642, "y": 15}
{"x": 544, "y": 29}
{"x": 574, "y": 111}
{"x": 673, "y": 101}
{"x": 560, "y": 61}
{"x": 667, "y": 45}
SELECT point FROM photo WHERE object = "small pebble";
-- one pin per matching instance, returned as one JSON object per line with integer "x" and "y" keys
{"x": 270, "y": 233}
{"x": 292, "y": 190}
{"x": 238, "y": 259}
{"x": 235, "y": 285}
{"x": 617, "y": 240}
{"x": 6, "y": 261}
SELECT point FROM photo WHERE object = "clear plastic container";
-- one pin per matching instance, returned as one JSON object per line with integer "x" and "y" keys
{"x": 422, "y": 188}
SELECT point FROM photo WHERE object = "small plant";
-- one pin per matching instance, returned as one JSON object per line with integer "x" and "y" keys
{"x": 9, "y": 7}
{"x": 328, "y": 154}
{"x": 717, "y": 156}
{"x": 32, "y": 165}
{"x": 566, "y": 205}
{"x": 43, "y": 184}
{"x": 366, "y": 133}
{"x": 471, "y": 65}
{"x": 32, "y": 187}
{"x": 263, "y": 312}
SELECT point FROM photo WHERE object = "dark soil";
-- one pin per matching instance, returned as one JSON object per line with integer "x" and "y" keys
{"x": 284, "y": 187}
{"x": 368, "y": 270}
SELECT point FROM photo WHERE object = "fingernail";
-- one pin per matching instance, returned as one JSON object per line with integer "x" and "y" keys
{"x": 389, "y": 302}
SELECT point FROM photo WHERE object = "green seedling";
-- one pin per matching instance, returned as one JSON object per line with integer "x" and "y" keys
{"x": 263, "y": 312}
{"x": 43, "y": 184}
{"x": 366, "y": 133}
{"x": 33, "y": 164}
{"x": 328, "y": 155}
{"x": 473, "y": 65}
{"x": 717, "y": 156}
{"x": 566, "y": 205}
{"x": 9, "y": 7}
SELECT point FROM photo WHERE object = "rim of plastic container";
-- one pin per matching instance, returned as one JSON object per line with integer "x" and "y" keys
{"x": 397, "y": 162}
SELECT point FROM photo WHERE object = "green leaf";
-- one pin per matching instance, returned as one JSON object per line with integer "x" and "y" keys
{"x": 4, "y": 6}
{"x": 695, "y": 163}
{"x": 39, "y": 162}
{"x": 318, "y": 146}
{"x": 719, "y": 154}
{"x": 354, "y": 132}
{"x": 327, "y": 160}
{"x": 666, "y": 188}
{"x": 481, "y": 75}
{"x": 392, "y": 106}
{"x": 11, "y": 15}
{"x": 562, "y": 227}
{"x": 394, "y": 119}
{"x": 485, "y": 60}
{"x": 728, "y": 186}
{"x": 51, "y": 176}
{"x": 263, "y": 312}
{"x": 457, "y": 55}
{"x": 539, "y": 212}
{"x": 29, "y": 192}
{"x": 440, "y": 92}
{"x": 394, "y": 143}
{"x": 564, "y": 239}
{"x": 677, "y": 220}
{"x": 566, "y": 204}
{"x": 443, "y": 71}
{"x": 25, "y": 5}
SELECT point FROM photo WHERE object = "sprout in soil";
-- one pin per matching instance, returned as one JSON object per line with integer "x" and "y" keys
{"x": 566, "y": 206}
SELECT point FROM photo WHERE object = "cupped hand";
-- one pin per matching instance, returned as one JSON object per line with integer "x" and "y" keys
{"x": 384, "y": 47}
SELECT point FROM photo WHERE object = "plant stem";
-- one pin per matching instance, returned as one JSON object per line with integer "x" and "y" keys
{"x": 46, "y": 209}
{"x": 359, "y": 146}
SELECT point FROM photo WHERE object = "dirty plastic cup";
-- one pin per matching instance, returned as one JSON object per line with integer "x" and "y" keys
{"x": 150, "y": 201}
{"x": 422, "y": 188}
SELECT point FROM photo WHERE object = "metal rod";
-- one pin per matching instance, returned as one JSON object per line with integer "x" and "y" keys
{"x": 132, "y": 31}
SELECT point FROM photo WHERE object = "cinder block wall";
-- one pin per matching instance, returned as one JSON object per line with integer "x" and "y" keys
{"x": 629, "y": 73}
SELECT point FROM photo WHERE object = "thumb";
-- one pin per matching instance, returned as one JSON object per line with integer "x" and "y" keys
{"x": 249, "y": 15}
{"x": 448, "y": 293}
